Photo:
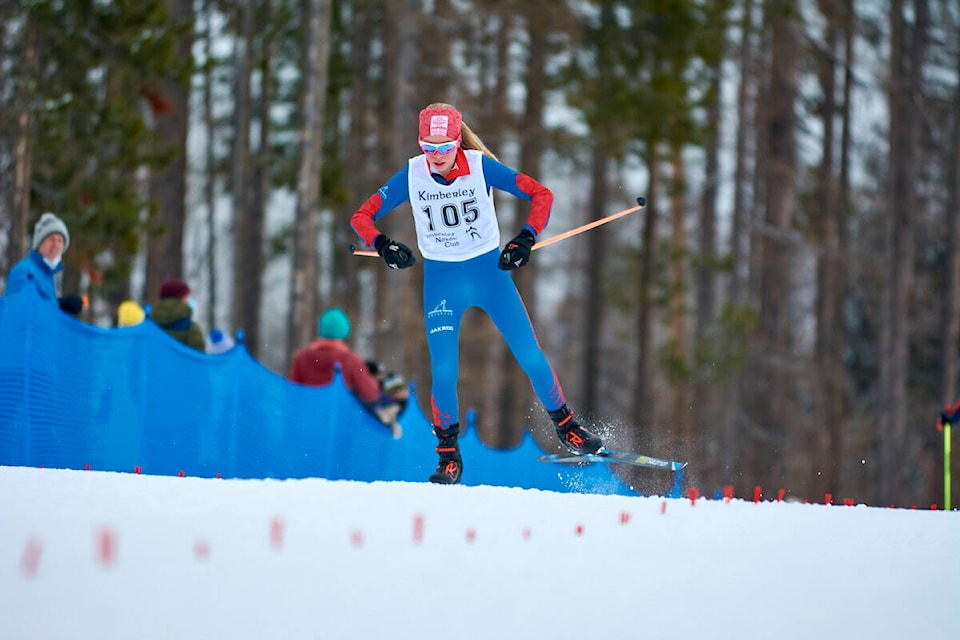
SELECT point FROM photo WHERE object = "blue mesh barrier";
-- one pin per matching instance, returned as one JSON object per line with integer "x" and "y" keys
{"x": 73, "y": 395}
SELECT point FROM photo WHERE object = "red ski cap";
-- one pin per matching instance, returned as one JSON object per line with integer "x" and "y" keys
{"x": 440, "y": 121}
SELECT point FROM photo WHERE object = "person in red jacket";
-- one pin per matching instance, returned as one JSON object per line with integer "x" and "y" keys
{"x": 314, "y": 364}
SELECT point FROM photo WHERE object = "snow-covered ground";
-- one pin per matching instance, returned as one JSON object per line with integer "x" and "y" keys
{"x": 107, "y": 555}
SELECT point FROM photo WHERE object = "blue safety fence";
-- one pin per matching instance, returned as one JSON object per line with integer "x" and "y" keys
{"x": 77, "y": 396}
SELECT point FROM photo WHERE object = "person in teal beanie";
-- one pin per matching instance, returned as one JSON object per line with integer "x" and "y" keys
{"x": 50, "y": 241}
{"x": 314, "y": 365}
{"x": 334, "y": 325}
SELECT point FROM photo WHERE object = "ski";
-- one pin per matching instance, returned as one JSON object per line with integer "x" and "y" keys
{"x": 614, "y": 457}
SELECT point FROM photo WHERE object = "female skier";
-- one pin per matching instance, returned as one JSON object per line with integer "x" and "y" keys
{"x": 450, "y": 188}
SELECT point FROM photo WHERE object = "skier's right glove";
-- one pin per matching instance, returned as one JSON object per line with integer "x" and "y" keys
{"x": 396, "y": 254}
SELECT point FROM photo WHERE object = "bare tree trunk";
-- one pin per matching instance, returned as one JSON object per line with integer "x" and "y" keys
{"x": 168, "y": 188}
{"x": 304, "y": 302}
{"x": 906, "y": 72}
{"x": 242, "y": 170}
{"x": 772, "y": 347}
{"x": 840, "y": 390}
{"x": 739, "y": 233}
{"x": 643, "y": 411}
{"x": 593, "y": 309}
{"x": 826, "y": 453}
{"x": 209, "y": 170}
{"x": 359, "y": 183}
{"x": 23, "y": 158}
{"x": 681, "y": 415}
{"x": 593, "y": 299}
{"x": 951, "y": 299}
{"x": 252, "y": 233}
{"x": 707, "y": 393}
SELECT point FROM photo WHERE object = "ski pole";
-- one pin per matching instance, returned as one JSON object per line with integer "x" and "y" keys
{"x": 946, "y": 466}
{"x": 641, "y": 203}
{"x": 943, "y": 424}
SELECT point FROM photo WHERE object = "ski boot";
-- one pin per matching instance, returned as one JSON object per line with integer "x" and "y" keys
{"x": 450, "y": 467}
{"x": 574, "y": 437}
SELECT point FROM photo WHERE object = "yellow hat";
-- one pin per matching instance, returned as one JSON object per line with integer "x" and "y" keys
{"x": 129, "y": 313}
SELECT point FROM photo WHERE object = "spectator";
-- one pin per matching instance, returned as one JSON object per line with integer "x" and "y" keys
{"x": 50, "y": 241}
{"x": 314, "y": 364}
{"x": 397, "y": 389}
{"x": 129, "y": 314}
{"x": 394, "y": 390}
{"x": 174, "y": 314}
{"x": 219, "y": 342}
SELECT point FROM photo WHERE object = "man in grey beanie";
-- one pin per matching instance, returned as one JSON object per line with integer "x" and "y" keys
{"x": 50, "y": 240}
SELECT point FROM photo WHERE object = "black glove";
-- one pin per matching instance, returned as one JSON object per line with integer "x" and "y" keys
{"x": 71, "y": 304}
{"x": 396, "y": 254}
{"x": 517, "y": 252}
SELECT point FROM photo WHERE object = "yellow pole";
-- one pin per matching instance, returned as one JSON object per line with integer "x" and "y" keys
{"x": 946, "y": 466}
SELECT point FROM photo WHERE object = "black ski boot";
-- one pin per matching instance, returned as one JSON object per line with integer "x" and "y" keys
{"x": 574, "y": 437}
{"x": 450, "y": 467}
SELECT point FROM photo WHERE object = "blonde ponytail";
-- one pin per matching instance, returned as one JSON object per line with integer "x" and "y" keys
{"x": 473, "y": 141}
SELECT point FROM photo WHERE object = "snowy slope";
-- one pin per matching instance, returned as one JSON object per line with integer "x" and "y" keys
{"x": 106, "y": 555}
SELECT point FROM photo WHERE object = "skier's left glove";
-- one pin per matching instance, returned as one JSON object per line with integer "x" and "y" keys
{"x": 517, "y": 252}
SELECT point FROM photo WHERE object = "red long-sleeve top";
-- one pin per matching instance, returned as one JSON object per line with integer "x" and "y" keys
{"x": 314, "y": 365}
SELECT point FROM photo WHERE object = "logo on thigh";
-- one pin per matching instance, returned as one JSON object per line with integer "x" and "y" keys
{"x": 439, "y": 318}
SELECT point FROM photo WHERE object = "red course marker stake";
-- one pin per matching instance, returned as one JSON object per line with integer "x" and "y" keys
{"x": 107, "y": 547}
{"x": 356, "y": 538}
{"x": 201, "y": 550}
{"x": 30, "y": 561}
{"x": 418, "y": 529}
{"x": 276, "y": 533}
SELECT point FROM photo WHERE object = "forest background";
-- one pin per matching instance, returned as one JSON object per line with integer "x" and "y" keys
{"x": 785, "y": 312}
